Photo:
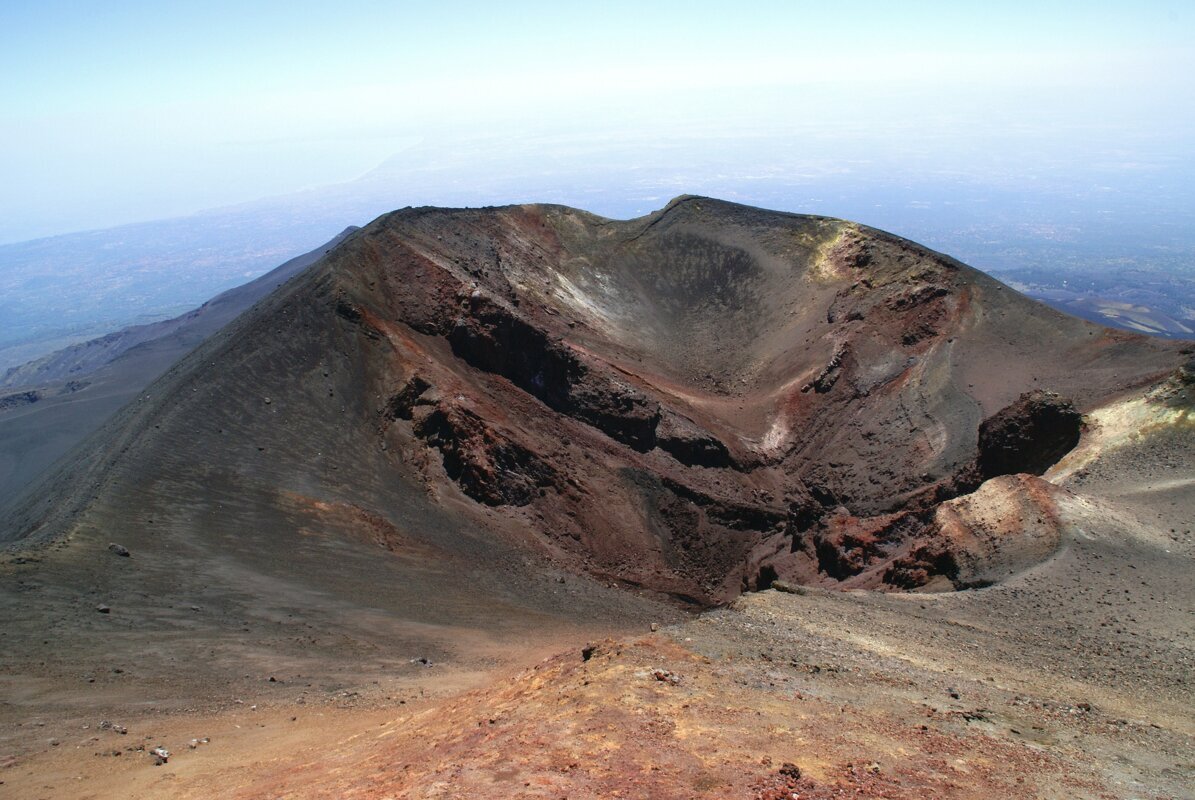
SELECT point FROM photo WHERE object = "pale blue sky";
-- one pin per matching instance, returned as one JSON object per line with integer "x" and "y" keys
{"x": 114, "y": 112}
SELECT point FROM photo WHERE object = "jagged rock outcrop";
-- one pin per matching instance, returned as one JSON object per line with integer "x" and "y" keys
{"x": 1028, "y": 436}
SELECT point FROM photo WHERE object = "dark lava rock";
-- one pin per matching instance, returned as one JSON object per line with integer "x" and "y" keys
{"x": 488, "y": 466}
{"x": 688, "y": 443}
{"x": 1030, "y": 435}
{"x": 19, "y": 399}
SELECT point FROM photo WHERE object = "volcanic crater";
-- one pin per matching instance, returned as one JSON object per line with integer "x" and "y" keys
{"x": 694, "y": 403}
{"x": 429, "y": 521}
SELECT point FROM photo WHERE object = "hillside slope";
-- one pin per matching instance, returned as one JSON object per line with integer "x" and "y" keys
{"x": 696, "y": 402}
{"x": 50, "y": 404}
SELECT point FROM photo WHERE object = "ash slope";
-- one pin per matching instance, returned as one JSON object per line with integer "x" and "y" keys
{"x": 695, "y": 402}
{"x": 69, "y": 393}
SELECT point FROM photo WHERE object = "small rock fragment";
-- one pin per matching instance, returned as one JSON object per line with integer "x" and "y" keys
{"x": 103, "y": 609}
{"x": 587, "y": 651}
{"x": 665, "y": 676}
{"x": 161, "y": 755}
{"x": 789, "y": 770}
{"x": 119, "y": 550}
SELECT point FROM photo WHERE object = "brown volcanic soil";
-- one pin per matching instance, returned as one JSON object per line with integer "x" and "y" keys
{"x": 402, "y": 454}
{"x": 1069, "y": 680}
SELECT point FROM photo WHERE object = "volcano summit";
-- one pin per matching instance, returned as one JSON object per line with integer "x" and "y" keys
{"x": 456, "y": 412}
{"x": 697, "y": 402}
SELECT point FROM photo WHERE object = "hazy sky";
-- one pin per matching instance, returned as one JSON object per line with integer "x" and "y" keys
{"x": 113, "y": 112}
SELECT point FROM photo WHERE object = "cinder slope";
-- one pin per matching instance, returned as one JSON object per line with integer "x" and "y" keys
{"x": 685, "y": 402}
{"x": 57, "y": 400}
{"x": 188, "y": 329}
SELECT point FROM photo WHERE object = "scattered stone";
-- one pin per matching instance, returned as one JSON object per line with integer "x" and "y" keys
{"x": 790, "y": 771}
{"x": 119, "y": 550}
{"x": 655, "y": 626}
{"x": 161, "y": 755}
{"x": 587, "y": 651}
{"x": 953, "y": 693}
{"x": 974, "y": 715}
{"x": 103, "y": 609}
{"x": 787, "y": 588}
{"x": 665, "y": 676}
{"x": 425, "y": 661}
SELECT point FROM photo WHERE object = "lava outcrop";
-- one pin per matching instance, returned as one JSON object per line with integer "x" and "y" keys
{"x": 694, "y": 403}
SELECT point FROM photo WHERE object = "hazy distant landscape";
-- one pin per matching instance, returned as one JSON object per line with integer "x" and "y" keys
{"x": 1083, "y": 230}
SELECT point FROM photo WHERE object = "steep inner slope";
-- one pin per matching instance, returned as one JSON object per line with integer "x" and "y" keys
{"x": 697, "y": 402}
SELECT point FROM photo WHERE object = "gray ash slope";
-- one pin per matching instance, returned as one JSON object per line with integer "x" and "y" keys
{"x": 189, "y": 329}
{"x": 52, "y": 403}
{"x": 694, "y": 403}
